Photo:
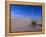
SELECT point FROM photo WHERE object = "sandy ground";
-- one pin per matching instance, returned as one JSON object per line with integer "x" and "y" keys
{"x": 23, "y": 24}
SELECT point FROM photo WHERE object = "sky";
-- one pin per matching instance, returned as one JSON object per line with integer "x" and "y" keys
{"x": 25, "y": 11}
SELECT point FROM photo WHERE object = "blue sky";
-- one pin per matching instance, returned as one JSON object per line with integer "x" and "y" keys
{"x": 26, "y": 11}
